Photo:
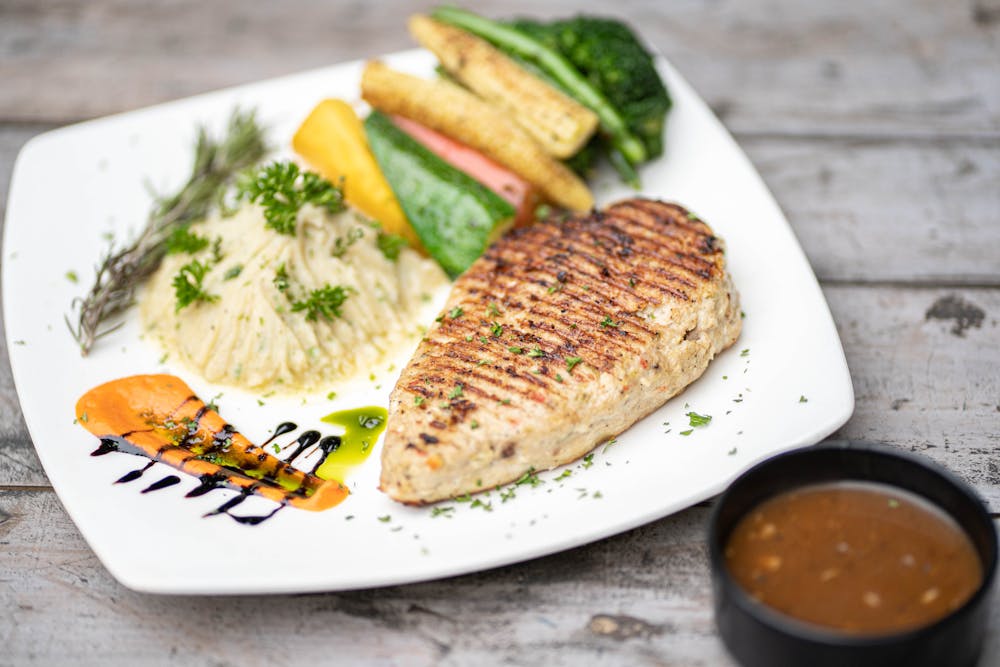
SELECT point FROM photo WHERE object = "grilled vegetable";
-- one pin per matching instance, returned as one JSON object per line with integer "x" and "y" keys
{"x": 455, "y": 216}
{"x": 507, "y": 184}
{"x": 560, "y": 124}
{"x": 449, "y": 109}
{"x": 607, "y": 52}
{"x": 333, "y": 141}
{"x": 555, "y": 65}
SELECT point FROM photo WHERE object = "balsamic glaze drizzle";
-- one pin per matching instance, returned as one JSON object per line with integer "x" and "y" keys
{"x": 135, "y": 474}
{"x": 305, "y": 440}
{"x": 281, "y": 429}
{"x": 327, "y": 445}
{"x": 169, "y": 480}
{"x": 211, "y": 482}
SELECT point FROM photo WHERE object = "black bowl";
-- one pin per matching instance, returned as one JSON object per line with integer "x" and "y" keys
{"x": 757, "y": 635}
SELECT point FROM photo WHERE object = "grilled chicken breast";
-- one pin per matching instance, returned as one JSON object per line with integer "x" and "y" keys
{"x": 561, "y": 335}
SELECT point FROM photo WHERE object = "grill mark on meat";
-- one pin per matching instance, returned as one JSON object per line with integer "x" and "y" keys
{"x": 565, "y": 262}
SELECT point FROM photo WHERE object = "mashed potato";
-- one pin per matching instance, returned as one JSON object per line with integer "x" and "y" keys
{"x": 250, "y": 336}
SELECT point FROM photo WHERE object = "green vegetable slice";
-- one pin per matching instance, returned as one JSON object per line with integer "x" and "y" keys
{"x": 455, "y": 216}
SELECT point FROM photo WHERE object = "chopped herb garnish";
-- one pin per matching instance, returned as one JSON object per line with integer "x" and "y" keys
{"x": 473, "y": 424}
{"x": 233, "y": 272}
{"x": 565, "y": 473}
{"x": 588, "y": 460}
{"x": 183, "y": 239}
{"x": 482, "y": 362}
{"x": 332, "y": 395}
{"x": 442, "y": 511}
{"x": 536, "y": 352}
{"x": 803, "y": 399}
{"x": 515, "y": 349}
{"x": 280, "y": 280}
{"x": 492, "y": 310}
{"x": 559, "y": 378}
{"x": 479, "y": 503}
{"x": 468, "y": 339}
{"x": 608, "y": 322}
{"x": 463, "y": 498}
{"x": 530, "y": 477}
{"x": 276, "y": 447}
{"x": 732, "y": 452}
{"x": 456, "y": 312}
{"x": 72, "y": 277}
{"x": 484, "y": 339}
{"x": 325, "y": 301}
{"x": 189, "y": 285}
{"x": 390, "y": 245}
{"x": 745, "y": 352}
{"x": 385, "y": 519}
{"x": 456, "y": 392}
{"x": 571, "y": 363}
{"x": 698, "y": 420}
{"x": 496, "y": 330}
{"x": 687, "y": 432}
{"x": 281, "y": 188}
{"x": 343, "y": 243}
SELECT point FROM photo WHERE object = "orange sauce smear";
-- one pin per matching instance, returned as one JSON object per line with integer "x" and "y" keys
{"x": 160, "y": 417}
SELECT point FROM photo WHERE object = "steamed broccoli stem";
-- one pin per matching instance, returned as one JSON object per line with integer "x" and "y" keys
{"x": 557, "y": 67}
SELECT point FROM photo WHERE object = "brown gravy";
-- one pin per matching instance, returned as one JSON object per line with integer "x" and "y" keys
{"x": 859, "y": 557}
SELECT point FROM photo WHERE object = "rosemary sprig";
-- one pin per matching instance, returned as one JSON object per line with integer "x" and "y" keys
{"x": 122, "y": 269}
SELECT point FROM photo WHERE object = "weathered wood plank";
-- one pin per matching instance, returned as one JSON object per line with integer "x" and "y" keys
{"x": 926, "y": 370}
{"x": 18, "y": 463}
{"x": 889, "y": 211}
{"x": 537, "y": 613}
{"x": 891, "y": 66}
{"x": 533, "y": 614}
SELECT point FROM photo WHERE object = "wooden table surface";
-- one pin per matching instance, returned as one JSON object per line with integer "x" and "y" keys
{"x": 877, "y": 126}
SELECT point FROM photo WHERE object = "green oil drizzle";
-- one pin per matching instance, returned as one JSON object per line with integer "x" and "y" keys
{"x": 362, "y": 427}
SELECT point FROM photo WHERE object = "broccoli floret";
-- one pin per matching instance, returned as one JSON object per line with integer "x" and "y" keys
{"x": 608, "y": 54}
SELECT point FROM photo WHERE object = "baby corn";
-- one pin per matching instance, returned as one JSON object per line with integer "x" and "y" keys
{"x": 453, "y": 111}
{"x": 560, "y": 124}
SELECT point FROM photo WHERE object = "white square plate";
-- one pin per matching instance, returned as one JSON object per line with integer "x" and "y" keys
{"x": 74, "y": 185}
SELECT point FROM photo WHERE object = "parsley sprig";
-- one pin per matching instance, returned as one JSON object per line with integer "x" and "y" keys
{"x": 281, "y": 188}
{"x": 189, "y": 285}
{"x": 184, "y": 240}
{"x": 324, "y": 302}
{"x": 390, "y": 245}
